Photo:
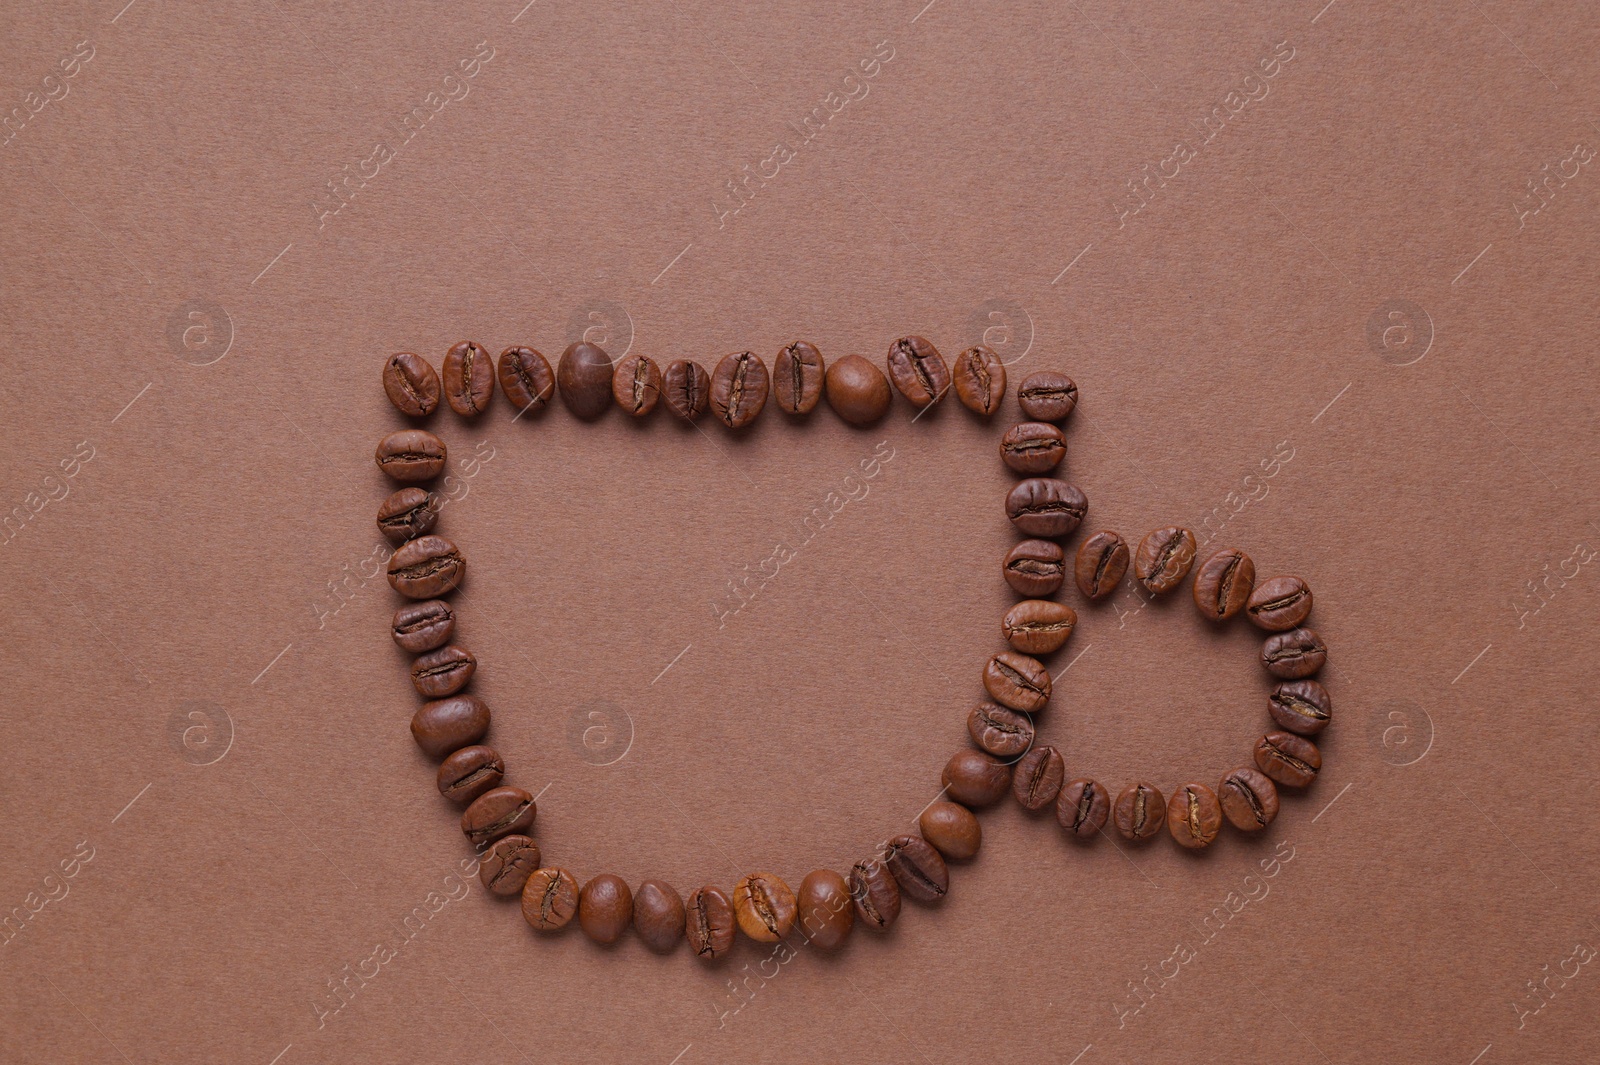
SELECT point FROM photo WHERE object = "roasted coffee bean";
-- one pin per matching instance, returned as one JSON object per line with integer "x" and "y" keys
{"x": 584, "y": 377}
{"x": 1223, "y": 583}
{"x": 710, "y": 923}
{"x": 1045, "y": 506}
{"x": 1279, "y": 604}
{"x": 411, "y": 384}
{"x": 506, "y": 865}
{"x": 875, "y": 894}
{"x": 1035, "y": 568}
{"x": 1249, "y": 800}
{"x": 1047, "y": 396}
{"x": 687, "y": 389}
{"x": 525, "y": 379}
{"x": 408, "y": 513}
{"x": 411, "y": 455}
{"x": 1017, "y": 681}
{"x": 1164, "y": 559}
{"x": 980, "y": 380}
{"x": 1288, "y": 759}
{"x": 918, "y": 868}
{"x": 1037, "y": 779}
{"x": 468, "y": 378}
{"x": 825, "y": 911}
{"x": 421, "y": 627}
{"x": 797, "y": 378}
{"x": 636, "y": 385}
{"x": 470, "y": 772}
{"x": 1038, "y": 626}
{"x": 918, "y": 371}
{"x": 605, "y": 908}
{"x": 549, "y": 899}
{"x": 497, "y": 812}
{"x": 426, "y": 568}
{"x": 857, "y": 390}
{"x": 1082, "y": 808}
{"x": 999, "y": 730}
{"x": 658, "y": 916}
{"x": 1300, "y": 706}
{"x": 1102, "y": 560}
{"x": 443, "y": 672}
{"x": 974, "y": 779}
{"x": 739, "y": 389}
{"x": 447, "y": 725}
{"x": 764, "y": 907}
{"x": 1194, "y": 816}
{"x": 1290, "y": 655}
{"x": 952, "y": 829}
{"x": 1139, "y": 812}
{"x": 1033, "y": 447}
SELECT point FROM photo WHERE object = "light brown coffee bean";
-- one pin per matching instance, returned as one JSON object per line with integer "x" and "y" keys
{"x": 426, "y": 568}
{"x": 1223, "y": 583}
{"x": 739, "y": 387}
{"x": 636, "y": 384}
{"x": 1038, "y": 626}
{"x": 1101, "y": 563}
{"x": 999, "y": 730}
{"x": 411, "y": 384}
{"x": 1290, "y": 655}
{"x": 1300, "y": 706}
{"x": 826, "y": 911}
{"x": 1047, "y": 396}
{"x": 797, "y": 376}
{"x": 1249, "y": 800}
{"x": 980, "y": 380}
{"x": 421, "y": 627}
{"x": 526, "y": 379}
{"x": 1288, "y": 759}
{"x": 1139, "y": 812}
{"x": 1046, "y": 507}
{"x": 1017, "y": 681}
{"x": 408, "y": 513}
{"x": 549, "y": 899}
{"x": 1033, "y": 447}
{"x": 687, "y": 388}
{"x": 470, "y": 772}
{"x": 764, "y": 907}
{"x": 1082, "y": 808}
{"x": 1037, "y": 779}
{"x": 442, "y": 672}
{"x": 605, "y": 908}
{"x": 1035, "y": 568}
{"x": 447, "y": 725}
{"x": 497, "y": 812}
{"x": 584, "y": 378}
{"x": 1164, "y": 559}
{"x": 918, "y": 868}
{"x": 411, "y": 455}
{"x": 507, "y": 864}
{"x": 710, "y": 923}
{"x": 857, "y": 390}
{"x": 1279, "y": 604}
{"x": 974, "y": 779}
{"x": 658, "y": 916}
{"x": 952, "y": 829}
{"x": 1194, "y": 816}
{"x": 918, "y": 371}
{"x": 875, "y": 894}
{"x": 468, "y": 378}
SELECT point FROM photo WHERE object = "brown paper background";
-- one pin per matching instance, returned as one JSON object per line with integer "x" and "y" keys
{"x": 170, "y": 301}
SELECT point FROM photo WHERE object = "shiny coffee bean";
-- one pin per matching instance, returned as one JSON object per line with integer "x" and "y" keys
{"x": 1037, "y": 779}
{"x": 918, "y": 868}
{"x": 549, "y": 899}
{"x": 1288, "y": 759}
{"x": 709, "y": 923}
{"x": 426, "y": 568}
{"x": 1194, "y": 816}
{"x": 1017, "y": 681}
{"x": 421, "y": 627}
{"x": 507, "y": 864}
{"x": 1222, "y": 583}
{"x": 583, "y": 377}
{"x": 999, "y": 730}
{"x": 1101, "y": 563}
{"x": 1082, "y": 808}
{"x": 1035, "y": 568}
{"x": 687, "y": 389}
{"x": 1038, "y": 626}
{"x": 764, "y": 907}
{"x": 918, "y": 371}
{"x": 447, "y": 725}
{"x": 442, "y": 672}
{"x": 1290, "y": 655}
{"x": 1300, "y": 706}
{"x": 952, "y": 829}
{"x": 1249, "y": 800}
{"x": 980, "y": 380}
{"x": 1164, "y": 559}
{"x": 636, "y": 385}
{"x": 797, "y": 378}
{"x": 739, "y": 389}
{"x": 605, "y": 908}
{"x": 974, "y": 779}
{"x": 1033, "y": 447}
{"x": 1047, "y": 396}
{"x": 411, "y": 455}
{"x": 1045, "y": 506}
{"x": 825, "y": 910}
{"x": 875, "y": 894}
{"x": 658, "y": 916}
{"x": 470, "y": 772}
{"x": 526, "y": 379}
{"x": 857, "y": 390}
{"x": 411, "y": 384}
{"x": 497, "y": 812}
{"x": 408, "y": 513}
{"x": 1279, "y": 604}
{"x": 468, "y": 378}
{"x": 1139, "y": 812}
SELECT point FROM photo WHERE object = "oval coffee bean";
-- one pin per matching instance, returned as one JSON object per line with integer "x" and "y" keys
{"x": 507, "y": 864}
{"x": 408, "y": 513}
{"x": 1037, "y": 779}
{"x": 797, "y": 378}
{"x": 426, "y": 568}
{"x": 952, "y": 829}
{"x": 1033, "y": 447}
{"x": 470, "y": 772}
{"x": 411, "y": 384}
{"x": 584, "y": 376}
{"x": 468, "y": 378}
{"x": 1082, "y": 808}
{"x": 658, "y": 916}
{"x": 687, "y": 389}
{"x": 605, "y": 908}
{"x": 857, "y": 390}
{"x": 875, "y": 894}
{"x": 1288, "y": 759}
{"x": 918, "y": 371}
{"x": 421, "y": 627}
{"x": 1035, "y": 568}
{"x": 999, "y": 730}
{"x": 1249, "y": 800}
{"x": 1279, "y": 604}
{"x": 1164, "y": 559}
{"x": 973, "y": 779}
{"x": 1300, "y": 706}
{"x": 447, "y": 725}
{"x": 1047, "y": 396}
{"x": 918, "y": 868}
{"x": 1038, "y": 626}
{"x": 1017, "y": 681}
{"x": 525, "y": 379}
{"x": 443, "y": 672}
{"x": 825, "y": 910}
{"x": 636, "y": 384}
{"x": 1045, "y": 506}
{"x": 1101, "y": 563}
{"x": 980, "y": 380}
{"x": 739, "y": 389}
{"x": 1140, "y": 812}
{"x": 1290, "y": 655}
{"x": 1223, "y": 583}
{"x": 709, "y": 924}
{"x": 411, "y": 455}
{"x": 764, "y": 907}
{"x": 497, "y": 812}
{"x": 549, "y": 899}
{"x": 1194, "y": 817}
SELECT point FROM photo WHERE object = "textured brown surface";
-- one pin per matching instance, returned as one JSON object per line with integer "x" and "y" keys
{"x": 217, "y": 554}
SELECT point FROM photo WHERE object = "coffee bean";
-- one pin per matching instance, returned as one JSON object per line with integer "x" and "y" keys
{"x": 917, "y": 868}
{"x": 421, "y": 627}
{"x": 1037, "y": 779}
{"x": 411, "y": 384}
{"x": 1249, "y": 800}
{"x": 710, "y": 923}
{"x": 1140, "y": 811}
{"x": 825, "y": 911}
{"x": 1047, "y": 396}
{"x": 1164, "y": 559}
{"x": 974, "y": 779}
{"x": 605, "y": 908}
{"x": 1044, "y": 506}
{"x": 1102, "y": 560}
{"x": 584, "y": 376}
{"x": 411, "y": 455}
{"x": 999, "y": 730}
{"x": 1290, "y": 655}
{"x": 1082, "y": 808}
{"x": 687, "y": 389}
{"x": 797, "y": 378}
{"x": 549, "y": 899}
{"x": 506, "y": 866}
{"x": 764, "y": 907}
{"x": 1288, "y": 759}
{"x": 636, "y": 385}
{"x": 739, "y": 389}
{"x": 1038, "y": 626}
{"x": 442, "y": 672}
{"x": 408, "y": 513}
{"x": 1033, "y": 447}
{"x": 1279, "y": 604}
{"x": 918, "y": 371}
{"x": 1300, "y": 706}
{"x": 1194, "y": 816}
{"x": 1223, "y": 583}
{"x": 980, "y": 380}
{"x": 1017, "y": 681}
{"x": 468, "y": 378}
{"x": 525, "y": 379}
{"x": 1035, "y": 568}
{"x": 497, "y": 812}
{"x": 875, "y": 894}
{"x": 857, "y": 390}
{"x": 426, "y": 568}
{"x": 470, "y": 772}
{"x": 447, "y": 725}
{"x": 658, "y": 916}
{"x": 952, "y": 829}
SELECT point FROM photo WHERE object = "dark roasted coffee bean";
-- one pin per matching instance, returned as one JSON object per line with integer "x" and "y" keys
{"x": 687, "y": 389}
{"x": 917, "y": 868}
{"x": 1037, "y": 779}
{"x": 605, "y": 908}
{"x": 468, "y": 378}
{"x": 980, "y": 380}
{"x": 739, "y": 389}
{"x": 1047, "y": 396}
{"x": 1300, "y": 706}
{"x": 709, "y": 923}
{"x": 1033, "y": 447}
{"x": 1194, "y": 816}
{"x": 658, "y": 916}
{"x": 1045, "y": 506}
{"x": 999, "y": 730}
{"x": 549, "y": 899}
{"x": 825, "y": 911}
{"x": 918, "y": 371}
{"x": 1164, "y": 559}
{"x": 1279, "y": 604}
{"x": 411, "y": 455}
{"x": 470, "y": 772}
{"x": 426, "y": 568}
{"x": 411, "y": 384}
{"x": 636, "y": 384}
{"x": 1292, "y": 655}
{"x": 875, "y": 894}
{"x": 1288, "y": 759}
{"x": 1249, "y": 800}
{"x": 1038, "y": 626}
{"x": 1223, "y": 583}
{"x": 1035, "y": 568}
{"x": 447, "y": 725}
{"x": 974, "y": 779}
{"x": 1082, "y": 808}
{"x": 442, "y": 672}
{"x": 857, "y": 390}
{"x": 584, "y": 378}
{"x": 421, "y": 627}
{"x": 764, "y": 907}
{"x": 408, "y": 513}
{"x": 497, "y": 812}
{"x": 952, "y": 829}
{"x": 1017, "y": 681}
{"x": 525, "y": 379}
{"x": 507, "y": 864}
{"x": 1139, "y": 811}
{"x": 797, "y": 378}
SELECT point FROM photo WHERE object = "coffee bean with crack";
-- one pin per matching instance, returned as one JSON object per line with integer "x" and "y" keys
{"x": 1139, "y": 812}
{"x": 1082, "y": 808}
{"x": 1033, "y": 447}
{"x": 918, "y": 868}
{"x": 409, "y": 513}
{"x": 1048, "y": 396}
{"x": 443, "y": 671}
{"x": 549, "y": 899}
{"x": 875, "y": 894}
{"x": 497, "y": 812}
{"x": 468, "y": 378}
{"x": 764, "y": 907}
{"x": 411, "y": 384}
{"x": 980, "y": 380}
{"x": 1294, "y": 655}
{"x": 1036, "y": 781}
{"x": 918, "y": 371}
{"x": 1038, "y": 626}
{"x": 507, "y": 865}
{"x": 525, "y": 379}
{"x": 1222, "y": 584}
{"x": 605, "y": 908}
{"x": 687, "y": 389}
{"x": 444, "y": 726}
{"x": 709, "y": 923}
{"x": 1301, "y": 706}
{"x": 999, "y": 730}
{"x": 1194, "y": 816}
{"x": 1046, "y": 507}
{"x": 975, "y": 779}
{"x": 797, "y": 376}
{"x": 426, "y": 568}
{"x": 1279, "y": 604}
{"x": 411, "y": 456}
{"x": 636, "y": 384}
{"x": 1249, "y": 799}
{"x": 1288, "y": 759}
{"x": 739, "y": 388}
{"x": 1017, "y": 681}
{"x": 1035, "y": 568}
{"x": 1101, "y": 563}
{"x": 419, "y": 627}
{"x": 470, "y": 772}
{"x": 1164, "y": 559}
{"x": 583, "y": 377}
